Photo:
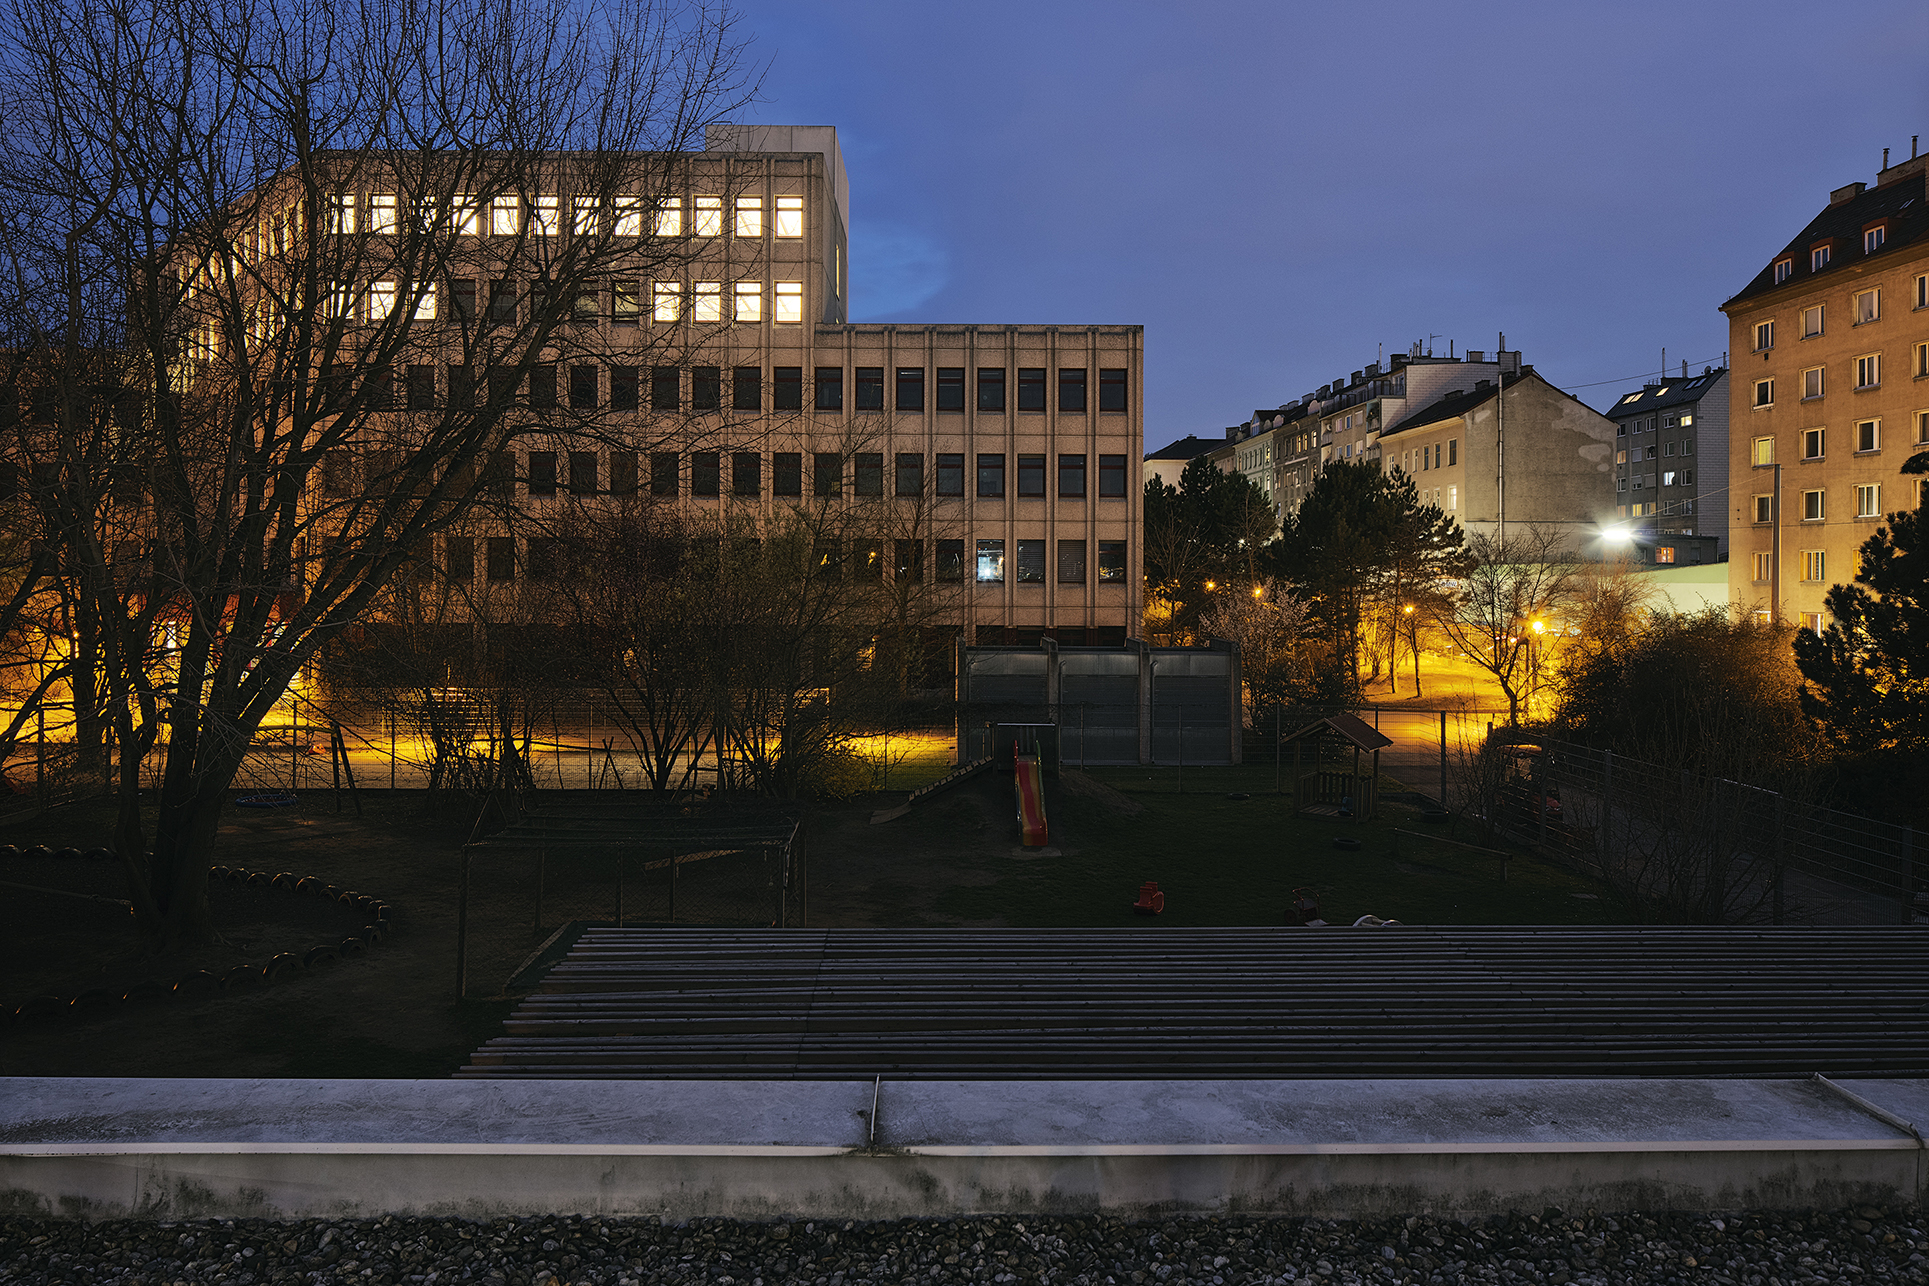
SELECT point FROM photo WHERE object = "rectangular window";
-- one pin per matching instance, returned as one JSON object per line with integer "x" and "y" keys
{"x": 1868, "y": 435}
{"x": 542, "y": 473}
{"x": 505, "y": 217}
{"x": 907, "y": 559}
{"x": 870, "y": 388}
{"x": 582, "y": 473}
{"x": 1868, "y": 500}
{"x": 1111, "y": 477}
{"x": 1922, "y": 291}
{"x": 669, "y": 217}
{"x": 1031, "y": 562}
{"x": 1762, "y": 452}
{"x": 991, "y": 388}
{"x": 1812, "y": 382}
{"x": 1031, "y": 477}
{"x": 1812, "y": 322}
{"x": 381, "y": 213}
{"x": 1813, "y": 507}
{"x": 706, "y": 473}
{"x": 1872, "y": 239}
{"x": 707, "y": 218}
{"x": 666, "y": 388}
{"x": 663, "y": 473}
{"x": 790, "y": 301}
{"x": 1764, "y": 335}
{"x": 910, "y": 388}
{"x": 583, "y": 216}
{"x": 582, "y": 388}
{"x": 1453, "y": 453}
{"x": 425, "y": 306}
{"x": 421, "y": 388}
{"x": 462, "y": 387}
{"x": 746, "y": 473}
{"x": 787, "y": 473}
{"x": 830, "y": 388}
{"x": 991, "y": 475}
{"x": 462, "y": 299}
{"x": 747, "y": 388}
{"x": 1111, "y": 560}
{"x": 1764, "y": 393}
{"x": 629, "y": 216}
{"x": 622, "y": 473}
{"x": 1764, "y": 568}
{"x": 991, "y": 562}
{"x": 828, "y": 556}
{"x": 1668, "y": 478}
{"x": 459, "y": 558}
{"x": 1814, "y": 565}
{"x": 951, "y": 474}
{"x": 1868, "y": 306}
{"x": 1818, "y": 258}
{"x": 1071, "y": 562}
{"x": 666, "y": 301}
{"x": 910, "y": 474}
{"x": 787, "y": 388}
{"x": 827, "y": 474}
{"x": 1922, "y": 360}
{"x": 790, "y": 216}
{"x": 1031, "y": 388}
{"x": 1453, "y": 499}
{"x": 626, "y": 387}
{"x": 1765, "y": 508}
{"x": 706, "y": 304}
{"x": 1812, "y": 442}
{"x": 626, "y": 303}
{"x": 750, "y": 301}
{"x": 1071, "y": 477}
{"x": 1664, "y": 553}
{"x": 1111, "y": 390}
{"x": 1868, "y": 371}
{"x": 502, "y": 559}
{"x": 951, "y": 560}
{"x": 340, "y": 218}
{"x": 1071, "y": 389}
{"x": 951, "y": 388}
{"x": 869, "y": 469}
{"x": 1784, "y": 269}
{"x": 750, "y": 216}
{"x": 706, "y": 388}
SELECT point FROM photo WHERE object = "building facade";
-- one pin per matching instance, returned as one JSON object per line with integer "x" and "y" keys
{"x": 1830, "y": 346}
{"x": 1168, "y": 462}
{"x": 1671, "y": 451}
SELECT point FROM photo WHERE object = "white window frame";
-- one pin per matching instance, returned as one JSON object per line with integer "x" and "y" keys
{"x": 629, "y": 216}
{"x": 1922, "y": 291}
{"x": 1818, "y": 257}
{"x": 381, "y": 213}
{"x": 1814, "y": 383}
{"x": 1922, "y": 359}
{"x": 425, "y": 305}
{"x": 585, "y": 216}
{"x": 1764, "y": 394}
{"x": 790, "y": 217}
{"x": 1820, "y": 314}
{"x": 790, "y": 303}
{"x": 1868, "y": 371}
{"x": 341, "y": 213}
{"x": 1764, "y": 337}
{"x": 505, "y": 215}
{"x": 546, "y": 216}
{"x": 1764, "y": 568}
{"x": 706, "y": 303}
{"x": 1815, "y": 505}
{"x": 1815, "y": 565}
{"x": 381, "y": 300}
{"x": 706, "y": 218}
{"x": 1868, "y": 500}
{"x": 669, "y": 217}
{"x": 749, "y": 296}
{"x": 750, "y": 218}
{"x": 1874, "y": 426}
{"x": 666, "y": 301}
{"x": 1812, "y": 622}
{"x": 1453, "y": 499}
{"x": 1784, "y": 269}
{"x": 1762, "y": 452}
{"x": 1868, "y": 306}
{"x": 1874, "y": 238}
{"x": 1765, "y": 507}
{"x": 1922, "y": 428}
{"x": 465, "y": 216}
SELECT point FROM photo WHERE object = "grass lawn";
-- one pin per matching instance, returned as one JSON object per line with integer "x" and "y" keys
{"x": 1236, "y": 862}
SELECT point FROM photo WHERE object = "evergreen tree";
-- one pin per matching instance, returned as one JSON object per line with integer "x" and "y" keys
{"x": 1867, "y": 674}
{"x": 1201, "y": 537}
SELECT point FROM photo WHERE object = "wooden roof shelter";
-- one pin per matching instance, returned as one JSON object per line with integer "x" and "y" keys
{"x": 1364, "y": 792}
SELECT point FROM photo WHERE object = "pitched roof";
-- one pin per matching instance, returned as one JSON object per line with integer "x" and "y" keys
{"x": 1185, "y": 448}
{"x": 1455, "y": 404}
{"x": 1901, "y": 201}
{"x": 1677, "y": 392}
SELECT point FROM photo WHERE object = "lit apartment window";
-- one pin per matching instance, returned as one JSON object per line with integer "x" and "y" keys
{"x": 991, "y": 562}
{"x": 1764, "y": 567}
{"x": 466, "y": 216}
{"x": 545, "y": 216}
{"x": 669, "y": 218}
{"x": 1764, "y": 508}
{"x": 425, "y": 306}
{"x": 1868, "y": 435}
{"x": 1868, "y": 500}
{"x": 1664, "y": 553}
{"x": 750, "y": 216}
{"x": 790, "y": 301}
{"x": 1764, "y": 335}
{"x": 706, "y": 303}
{"x": 1762, "y": 452}
{"x": 626, "y": 308}
{"x": 1812, "y": 383}
{"x": 1868, "y": 370}
{"x": 340, "y": 217}
{"x": 1812, "y": 622}
{"x": 583, "y": 216}
{"x": 1764, "y": 392}
{"x": 1872, "y": 238}
{"x": 1784, "y": 269}
{"x": 381, "y": 300}
{"x": 629, "y": 216}
{"x": 1111, "y": 560}
{"x": 1814, "y": 565}
{"x": 750, "y": 301}
{"x": 505, "y": 217}
{"x": 1812, "y": 322}
{"x": 1812, "y": 442}
{"x": 381, "y": 213}
{"x": 1868, "y": 306}
{"x": 707, "y": 218}
{"x": 1818, "y": 258}
{"x": 1922, "y": 360}
{"x": 666, "y": 301}
{"x": 790, "y": 216}
{"x": 1813, "y": 509}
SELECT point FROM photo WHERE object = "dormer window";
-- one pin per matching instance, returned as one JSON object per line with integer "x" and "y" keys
{"x": 1818, "y": 257}
{"x": 1872, "y": 238}
{"x": 1784, "y": 269}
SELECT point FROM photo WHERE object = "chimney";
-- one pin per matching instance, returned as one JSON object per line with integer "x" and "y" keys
{"x": 1476, "y": 355}
{"x": 1847, "y": 193}
{"x": 1509, "y": 360}
{"x": 1684, "y": 370}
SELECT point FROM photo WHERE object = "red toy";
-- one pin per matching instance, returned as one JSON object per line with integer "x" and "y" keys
{"x": 1151, "y": 901}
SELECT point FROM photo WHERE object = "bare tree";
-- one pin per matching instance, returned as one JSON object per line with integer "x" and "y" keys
{"x": 1505, "y": 605}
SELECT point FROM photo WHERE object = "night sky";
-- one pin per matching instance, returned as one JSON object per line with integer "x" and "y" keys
{"x": 1279, "y": 193}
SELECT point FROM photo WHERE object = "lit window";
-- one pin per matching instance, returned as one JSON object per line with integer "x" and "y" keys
{"x": 1812, "y": 382}
{"x": 1872, "y": 238}
{"x": 425, "y": 306}
{"x": 627, "y": 308}
{"x": 1814, "y": 565}
{"x": 503, "y": 220}
{"x": 466, "y": 216}
{"x": 1812, "y": 621}
{"x": 1764, "y": 338}
{"x": 341, "y": 213}
{"x": 666, "y": 301}
{"x": 1811, "y": 322}
{"x": 1818, "y": 258}
{"x": 1764, "y": 392}
{"x": 1765, "y": 508}
{"x": 1812, "y": 440}
{"x": 707, "y": 306}
{"x": 381, "y": 213}
{"x": 1813, "y": 508}
{"x": 1868, "y": 500}
{"x": 1667, "y": 479}
{"x": 629, "y": 216}
{"x": 585, "y": 220}
{"x": 1664, "y": 553}
{"x": 1868, "y": 371}
{"x": 750, "y": 216}
{"x": 1453, "y": 498}
{"x": 545, "y": 216}
{"x": 669, "y": 217}
{"x": 790, "y": 301}
{"x": 1763, "y": 453}
{"x": 991, "y": 562}
{"x": 707, "y": 220}
{"x": 340, "y": 302}
{"x": 1868, "y": 306}
{"x": 1868, "y": 435}
{"x": 381, "y": 300}
{"x": 1111, "y": 560}
{"x": 1686, "y": 421}
{"x": 1784, "y": 269}
{"x": 750, "y": 301}
{"x": 1763, "y": 568}
{"x": 790, "y": 216}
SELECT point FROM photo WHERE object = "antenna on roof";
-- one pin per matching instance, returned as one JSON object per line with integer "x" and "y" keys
{"x": 1885, "y": 158}
{"x": 1912, "y": 145}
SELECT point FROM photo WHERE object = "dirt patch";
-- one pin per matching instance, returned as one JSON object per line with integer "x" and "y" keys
{"x": 1074, "y": 782}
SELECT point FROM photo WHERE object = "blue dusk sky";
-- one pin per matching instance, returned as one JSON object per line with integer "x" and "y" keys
{"x": 1281, "y": 193}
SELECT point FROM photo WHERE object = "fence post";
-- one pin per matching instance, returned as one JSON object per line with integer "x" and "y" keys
{"x": 1781, "y": 852}
{"x": 1443, "y": 759}
{"x": 462, "y": 930}
{"x": 294, "y": 746}
{"x": 1540, "y": 800}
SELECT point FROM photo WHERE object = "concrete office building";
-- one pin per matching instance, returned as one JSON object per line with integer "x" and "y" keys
{"x": 1830, "y": 346}
{"x": 1670, "y": 451}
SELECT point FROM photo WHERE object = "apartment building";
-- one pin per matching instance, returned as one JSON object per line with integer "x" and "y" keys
{"x": 1830, "y": 345}
{"x": 1169, "y": 461}
{"x": 1671, "y": 452}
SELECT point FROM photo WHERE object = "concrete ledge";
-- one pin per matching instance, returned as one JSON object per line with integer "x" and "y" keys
{"x": 679, "y": 1149}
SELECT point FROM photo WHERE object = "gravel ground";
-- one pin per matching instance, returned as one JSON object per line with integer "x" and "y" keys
{"x": 1859, "y": 1245}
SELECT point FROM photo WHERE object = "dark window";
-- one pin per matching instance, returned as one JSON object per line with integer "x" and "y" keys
{"x": 951, "y": 560}
{"x": 827, "y": 474}
{"x": 502, "y": 559}
{"x": 1071, "y": 389}
{"x": 1111, "y": 560}
{"x": 545, "y": 559}
{"x": 951, "y": 474}
{"x": 747, "y": 388}
{"x": 502, "y": 301}
{"x": 1031, "y": 562}
{"x": 910, "y": 388}
{"x": 870, "y": 388}
{"x": 706, "y": 388}
{"x": 462, "y": 300}
{"x": 910, "y": 474}
{"x": 503, "y": 383}
{"x": 787, "y": 388}
{"x": 666, "y": 388}
{"x": 542, "y": 473}
{"x": 663, "y": 472}
{"x": 706, "y": 473}
{"x": 421, "y": 388}
{"x": 1111, "y": 390}
{"x": 1621, "y": 429}
{"x": 380, "y": 386}
{"x": 1071, "y": 562}
{"x": 625, "y": 391}
{"x": 587, "y": 307}
{"x": 626, "y": 303}
{"x": 908, "y": 561}
{"x": 336, "y": 475}
{"x": 582, "y": 387}
{"x": 830, "y": 388}
{"x": 951, "y": 388}
{"x": 1070, "y": 635}
{"x": 1031, "y": 388}
{"x": 582, "y": 473}
{"x": 462, "y": 387}
{"x": 1453, "y": 450}
{"x": 991, "y": 474}
{"x": 826, "y": 557}
{"x": 1031, "y": 476}
{"x": 870, "y": 473}
{"x": 499, "y": 475}
{"x": 622, "y": 473}
{"x": 542, "y": 387}
{"x": 787, "y": 473}
{"x": 1071, "y": 476}
{"x": 869, "y": 556}
{"x": 746, "y": 473}
{"x": 991, "y": 388}
{"x": 1111, "y": 476}
{"x": 459, "y": 558}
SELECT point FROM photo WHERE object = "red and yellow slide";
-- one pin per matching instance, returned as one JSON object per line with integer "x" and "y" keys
{"x": 1029, "y": 783}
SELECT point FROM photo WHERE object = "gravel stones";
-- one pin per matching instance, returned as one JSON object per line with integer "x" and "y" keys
{"x": 1863, "y": 1244}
